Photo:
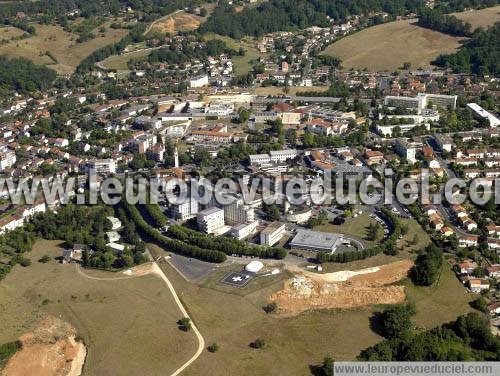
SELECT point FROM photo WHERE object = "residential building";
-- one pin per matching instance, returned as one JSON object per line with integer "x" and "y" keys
{"x": 102, "y": 166}
{"x": 7, "y": 158}
{"x": 272, "y": 234}
{"x": 238, "y": 212}
{"x": 210, "y": 220}
{"x": 244, "y": 230}
{"x": 406, "y": 149}
{"x": 198, "y": 81}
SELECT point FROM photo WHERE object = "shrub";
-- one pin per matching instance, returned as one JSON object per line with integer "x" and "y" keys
{"x": 258, "y": 344}
{"x": 184, "y": 324}
{"x": 214, "y": 347}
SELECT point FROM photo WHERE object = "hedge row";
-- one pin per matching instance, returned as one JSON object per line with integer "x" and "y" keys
{"x": 156, "y": 215}
{"x": 389, "y": 246}
{"x": 229, "y": 246}
{"x": 174, "y": 245}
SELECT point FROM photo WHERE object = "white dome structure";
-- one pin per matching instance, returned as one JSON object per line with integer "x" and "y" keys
{"x": 254, "y": 266}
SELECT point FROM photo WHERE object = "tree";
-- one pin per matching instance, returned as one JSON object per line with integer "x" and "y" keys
{"x": 480, "y": 304}
{"x": 374, "y": 231}
{"x": 184, "y": 324}
{"x": 427, "y": 266}
{"x": 270, "y": 308}
{"x": 326, "y": 368}
{"x": 25, "y": 262}
{"x": 214, "y": 347}
{"x": 258, "y": 344}
{"x": 396, "y": 321}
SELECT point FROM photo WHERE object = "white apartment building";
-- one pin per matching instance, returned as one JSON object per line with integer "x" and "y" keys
{"x": 406, "y": 149}
{"x": 148, "y": 121}
{"x": 244, "y": 230}
{"x": 422, "y": 101}
{"x": 482, "y": 113}
{"x": 444, "y": 142}
{"x": 210, "y": 220}
{"x": 388, "y": 130}
{"x": 272, "y": 234}
{"x": 198, "y": 81}
{"x": 102, "y": 166}
{"x": 186, "y": 210}
{"x": 219, "y": 109}
{"x": 238, "y": 212}
{"x": 7, "y": 159}
{"x": 427, "y": 115}
{"x": 282, "y": 155}
{"x": 260, "y": 159}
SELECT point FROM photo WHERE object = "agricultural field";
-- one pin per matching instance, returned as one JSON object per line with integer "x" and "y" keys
{"x": 116, "y": 318}
{"x": 388, "y": 46}
{"x": 480, "y": 17}
{"x": 241, "y": 64}
{"x": 58, "y": 49}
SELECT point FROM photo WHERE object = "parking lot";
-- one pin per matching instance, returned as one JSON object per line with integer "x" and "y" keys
{"x": 192, "y": 269}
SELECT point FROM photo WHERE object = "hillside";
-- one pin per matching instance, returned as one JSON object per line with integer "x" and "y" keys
{"x": 389, "y": 46}
{"x": 58, "y": 49}
{"x": 481, "y": 17}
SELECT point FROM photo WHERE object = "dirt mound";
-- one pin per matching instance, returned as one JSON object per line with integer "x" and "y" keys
{"x": 178, "y": 22}
{"x": 49, "y": 350}
{"x": 348, "y": 289}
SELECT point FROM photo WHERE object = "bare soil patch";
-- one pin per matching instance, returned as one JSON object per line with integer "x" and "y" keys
{"x": 346, "y": 289}
{"x": 49, "y": 350}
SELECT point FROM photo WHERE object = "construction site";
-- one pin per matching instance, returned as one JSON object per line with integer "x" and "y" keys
{"x": 342, "y": 290}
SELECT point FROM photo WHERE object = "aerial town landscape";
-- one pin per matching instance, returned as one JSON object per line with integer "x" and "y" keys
{"x": 252, "y": 187}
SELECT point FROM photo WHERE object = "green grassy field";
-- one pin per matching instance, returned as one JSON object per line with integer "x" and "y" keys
{"x": 119, "y": 62}
{"x": 61, "y": 44}
{"x": 292, "y": 343}
{"x": 480, "y": 17}
{"x": 389, "y": 46}
{"x": 128, "y": 325}
{"x": 241, "y": 64}
{"x": 357, "y": 227}
{"x": 443, "y": 302}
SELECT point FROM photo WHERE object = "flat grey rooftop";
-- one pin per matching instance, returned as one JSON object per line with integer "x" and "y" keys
{"x": 316, "y": 239}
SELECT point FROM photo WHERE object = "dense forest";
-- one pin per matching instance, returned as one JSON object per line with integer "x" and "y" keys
{"x": 183, "y": 53}
{"x": 466, "y": 339}
{"x": 276, "y": 15}
{"x": 87, "y": 225}
{"x": 444, "y": 23}
{"x": 22, "y": 76}
{"x": 88, "y": 8}
{"x": 450, "y": 6}
{"x": 480, "y": 55}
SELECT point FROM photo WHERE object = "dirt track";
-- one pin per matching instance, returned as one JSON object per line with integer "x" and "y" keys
{"x": 347, "y": 289}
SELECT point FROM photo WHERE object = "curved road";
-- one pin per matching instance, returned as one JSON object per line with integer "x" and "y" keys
{"x": 201, "y": 340}
{"x": 158, "y": 271}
